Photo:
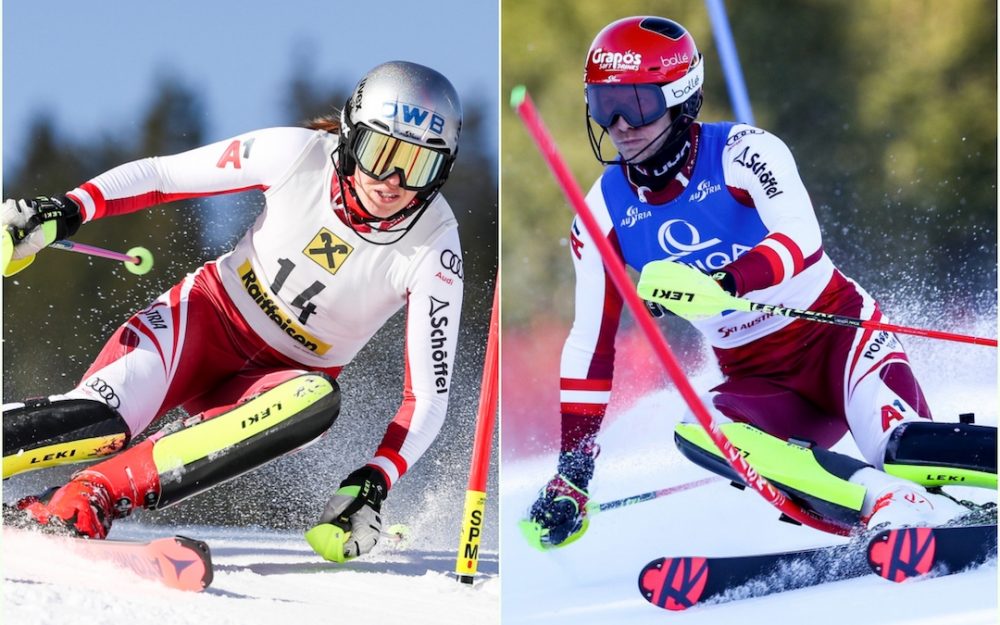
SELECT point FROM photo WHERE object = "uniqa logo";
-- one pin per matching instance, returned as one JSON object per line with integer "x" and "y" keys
{"x": 633, "y": 215}
{"x": 616, "y": 61}
{"x": 704, "y": 189}
{"x": 688, "y": 242}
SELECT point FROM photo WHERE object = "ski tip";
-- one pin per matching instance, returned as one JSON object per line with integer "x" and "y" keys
{"x": 674, "y": 583}
{"x": 901, "y": 554}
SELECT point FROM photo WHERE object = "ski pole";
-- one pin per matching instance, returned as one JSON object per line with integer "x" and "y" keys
{"x": 615, "y": 268}
{"x": 690, "y": 294}
{"x": 137, "y": 260}
{"x": 594, "y": 507}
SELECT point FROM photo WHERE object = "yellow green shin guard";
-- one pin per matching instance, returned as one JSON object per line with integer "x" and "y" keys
{"x": 815, "y": 478}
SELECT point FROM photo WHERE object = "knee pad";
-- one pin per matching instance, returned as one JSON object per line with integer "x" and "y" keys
{"x": 814, "y": 478}
{"x": 41, "y": 433}
{"x": 943, "y": 454}
{"x": 208, "y": 452}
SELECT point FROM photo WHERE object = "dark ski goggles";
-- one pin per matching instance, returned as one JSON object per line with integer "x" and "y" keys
{"x": 380, "y": 156}
{"x": 638, "y": 105}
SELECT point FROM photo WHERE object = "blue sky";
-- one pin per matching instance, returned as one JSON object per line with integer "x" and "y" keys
{"x": 91, "y": 65}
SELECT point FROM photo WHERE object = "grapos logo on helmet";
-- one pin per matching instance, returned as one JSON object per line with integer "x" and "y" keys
{"x": 616, "y": 61}
{"x": 413, "y": 115}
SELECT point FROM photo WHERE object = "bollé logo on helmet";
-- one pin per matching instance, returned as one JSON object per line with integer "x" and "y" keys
{"x": 676, "y": 59}
{"x": 692, "y": 84}
{"x": 413, "y": 115}
{"x": 616, "y": 61}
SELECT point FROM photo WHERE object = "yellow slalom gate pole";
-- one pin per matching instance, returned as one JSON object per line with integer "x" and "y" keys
{"x": 467, "y": 560}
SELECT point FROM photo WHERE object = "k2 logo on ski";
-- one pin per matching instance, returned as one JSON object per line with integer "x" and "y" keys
{"x": 705, "y": 188}
{"x": 766, "y": 177}
{"x": 634, "y": 215}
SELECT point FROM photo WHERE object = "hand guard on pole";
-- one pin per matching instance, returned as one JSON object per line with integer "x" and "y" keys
{"x": 31, "y": 225}
{"x": 351, "y": 523}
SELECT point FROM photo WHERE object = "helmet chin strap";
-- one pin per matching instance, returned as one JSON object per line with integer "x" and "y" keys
{"x": 361, "y": 221}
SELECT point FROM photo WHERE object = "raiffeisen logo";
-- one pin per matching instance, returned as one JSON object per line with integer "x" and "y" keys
{"x": 616, "y": 61}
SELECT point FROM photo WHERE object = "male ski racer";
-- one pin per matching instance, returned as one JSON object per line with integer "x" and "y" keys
{"x": 726, "y": 199}
{"x": 353, "y": 229}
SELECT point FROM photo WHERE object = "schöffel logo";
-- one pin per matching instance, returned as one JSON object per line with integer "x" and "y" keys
{"x": 634, "y": 215}
{"x": 760, "y": 168}
{"x": 439, "y": 343}
{"x": 679, "y": 238}
{"x": 616, "y": 61}
{"x": 413, "y": 116}
{"x": 704, "y": 189}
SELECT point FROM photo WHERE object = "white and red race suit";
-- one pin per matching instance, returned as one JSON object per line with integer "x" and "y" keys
{"x": 738, "y": 205}
{"x": 301, "y": 291}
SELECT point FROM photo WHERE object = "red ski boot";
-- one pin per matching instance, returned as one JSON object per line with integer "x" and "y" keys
{"x": 96, "y": 496}
{"x": 79, "y": 508}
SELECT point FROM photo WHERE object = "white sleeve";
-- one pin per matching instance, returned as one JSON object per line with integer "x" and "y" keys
{"x": 434, "y": 307}
{"x": 255, "y": 160}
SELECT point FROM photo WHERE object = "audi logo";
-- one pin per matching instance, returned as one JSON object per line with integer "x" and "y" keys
{"x": 453, "y": 263}
{"x": 107, "y": 393}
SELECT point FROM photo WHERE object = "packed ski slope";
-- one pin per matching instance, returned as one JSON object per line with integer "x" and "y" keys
{"x": 261, "y": 578}
{"x": 594, "y": 580}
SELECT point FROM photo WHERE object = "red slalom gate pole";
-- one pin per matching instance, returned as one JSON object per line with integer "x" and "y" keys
{"x": 526, "y": 110}
{"x": 467, "y": 560}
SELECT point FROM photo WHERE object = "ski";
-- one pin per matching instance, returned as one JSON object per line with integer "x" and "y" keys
{"x": 176, "y": 562}
{"x": 901, "y": 554}
{"x": 683, "y": 582}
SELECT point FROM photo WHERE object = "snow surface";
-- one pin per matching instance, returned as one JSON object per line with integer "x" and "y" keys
{"x": 594, "y": 580}
{"x": 261, "y": 577}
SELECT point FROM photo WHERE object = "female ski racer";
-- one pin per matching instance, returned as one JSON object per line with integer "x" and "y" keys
{"x": 353, "y": 229}
{"x": 726, "y": 199}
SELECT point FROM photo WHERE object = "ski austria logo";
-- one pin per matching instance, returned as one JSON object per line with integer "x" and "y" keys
{"x": 616, "y": 61}
{"x": 634, "y": 215}
{"x": 413, "y": 116}
{"x": 704, "y": 189}
{"x": 679, "y": 238}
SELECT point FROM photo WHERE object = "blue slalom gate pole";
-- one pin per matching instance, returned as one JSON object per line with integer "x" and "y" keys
{"x": 730, "y": 60}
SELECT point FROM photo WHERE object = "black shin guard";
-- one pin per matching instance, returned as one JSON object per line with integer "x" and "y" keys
{"x": 42, "y": 433}
{"x": 943, "y": 454}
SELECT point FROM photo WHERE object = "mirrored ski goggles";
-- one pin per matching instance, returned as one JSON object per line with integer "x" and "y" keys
{"x": 640, "y": 104}
{"x": 380, "y": 156}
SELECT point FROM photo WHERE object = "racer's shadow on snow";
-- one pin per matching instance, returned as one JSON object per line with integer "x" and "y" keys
{"x": 397, "y": 562}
